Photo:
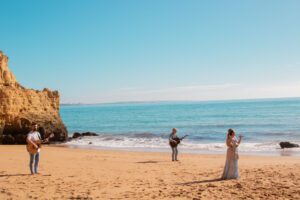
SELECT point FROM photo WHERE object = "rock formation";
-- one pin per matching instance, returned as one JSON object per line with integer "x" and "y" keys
{"x": 288, "y": 145}
{"x": 79, "y": 135}
{"x": 19, "y": 107}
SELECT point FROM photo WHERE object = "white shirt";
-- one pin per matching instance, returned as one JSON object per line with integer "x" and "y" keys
{"x": 34, "y": 136}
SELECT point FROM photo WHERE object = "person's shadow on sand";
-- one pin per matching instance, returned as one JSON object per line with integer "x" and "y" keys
{"x": 199, "y": 182}
{"x": 149, "y": 162}
{"x": 12, "y": 175}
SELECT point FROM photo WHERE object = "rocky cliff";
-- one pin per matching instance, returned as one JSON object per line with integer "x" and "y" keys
{"x": 19, "y": 107}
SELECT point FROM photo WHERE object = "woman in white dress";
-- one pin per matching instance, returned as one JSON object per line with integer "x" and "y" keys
{"x": 231, "y": 170}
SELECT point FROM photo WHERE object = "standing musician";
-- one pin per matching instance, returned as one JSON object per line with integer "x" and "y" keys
{"x": 173, "y": 141}
{"x": 33, "y": 147}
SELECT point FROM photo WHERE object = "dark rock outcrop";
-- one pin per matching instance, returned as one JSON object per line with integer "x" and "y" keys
{"x": 19, "y": 107}
{"x": 78, "y": 135}
{"x": 89, "y": 134}
{"x": 288, "y": 145}
{"x": 20, "y": 139}
{"x": 8, "y": 139}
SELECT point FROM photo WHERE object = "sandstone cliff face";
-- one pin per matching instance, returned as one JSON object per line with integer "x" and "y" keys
{"x": 6, "y": 77}
{"x": 19, "y": 107}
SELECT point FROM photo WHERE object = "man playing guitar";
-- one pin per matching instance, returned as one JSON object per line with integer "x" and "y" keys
{"x": 174, "y": 140}
{"x": 33, "y": 147}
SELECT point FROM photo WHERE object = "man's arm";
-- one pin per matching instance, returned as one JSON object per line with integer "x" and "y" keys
{"x": 29, "y": 141}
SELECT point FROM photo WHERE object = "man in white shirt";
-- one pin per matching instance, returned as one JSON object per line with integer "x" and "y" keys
{"x": 34, "y": 139}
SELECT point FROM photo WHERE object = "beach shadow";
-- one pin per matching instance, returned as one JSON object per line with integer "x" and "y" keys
{"x": 200, "y": 182}
{"x": 148, "y": 162}
{"x": 11, "y": 175}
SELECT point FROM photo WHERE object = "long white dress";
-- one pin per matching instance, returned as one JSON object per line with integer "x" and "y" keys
{"x": 231, "y": 170}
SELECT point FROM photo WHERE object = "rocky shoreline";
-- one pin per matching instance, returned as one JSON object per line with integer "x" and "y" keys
{"x": 80, "y": 135}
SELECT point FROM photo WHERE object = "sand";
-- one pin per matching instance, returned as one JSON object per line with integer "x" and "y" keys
{"x": 102, "y": 174}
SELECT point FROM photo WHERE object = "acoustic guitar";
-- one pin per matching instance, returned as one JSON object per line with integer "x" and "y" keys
{"x": 32, "y": 149}
{"x": 177, "y": 141}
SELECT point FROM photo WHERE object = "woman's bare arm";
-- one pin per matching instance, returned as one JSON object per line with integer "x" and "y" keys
{"x": 240, "y": 139}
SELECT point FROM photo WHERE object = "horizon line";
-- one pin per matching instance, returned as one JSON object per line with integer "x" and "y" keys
{"x": 162, "y": 101}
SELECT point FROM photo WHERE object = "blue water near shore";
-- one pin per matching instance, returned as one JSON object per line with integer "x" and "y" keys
{"x": 263, "y": 123}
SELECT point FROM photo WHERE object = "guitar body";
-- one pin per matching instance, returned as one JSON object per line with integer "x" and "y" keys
{"x": 174, "y": 144}
{"x": 177, "y": 141}
{"x": 31, "y": 149}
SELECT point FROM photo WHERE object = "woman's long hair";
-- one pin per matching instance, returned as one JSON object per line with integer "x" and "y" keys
{"x": 230, "y": 133}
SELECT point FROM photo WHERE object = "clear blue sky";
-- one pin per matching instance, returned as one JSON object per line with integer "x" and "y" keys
{"x": 144, "y": 50}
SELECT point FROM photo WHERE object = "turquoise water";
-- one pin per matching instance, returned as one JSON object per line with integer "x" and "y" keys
{"x": 263, "y": 123}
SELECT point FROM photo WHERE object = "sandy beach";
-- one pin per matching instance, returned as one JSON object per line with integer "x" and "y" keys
{"x": 67, "y": 173}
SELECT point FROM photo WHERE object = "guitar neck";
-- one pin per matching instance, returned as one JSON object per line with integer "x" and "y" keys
{"x": 46, "y": 139}
{"x": 183, "y": 137}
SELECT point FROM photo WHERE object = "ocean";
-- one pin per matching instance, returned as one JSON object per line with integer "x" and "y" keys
{"x": 146, "y": 126}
